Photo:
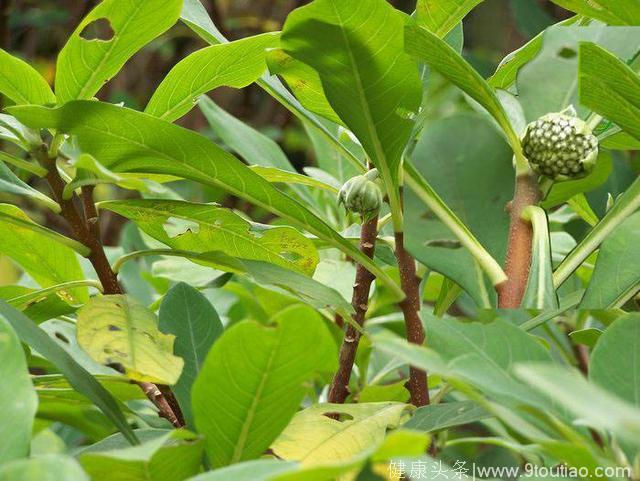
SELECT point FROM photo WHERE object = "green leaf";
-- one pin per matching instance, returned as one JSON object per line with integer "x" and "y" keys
{"x": 506, "y": 73}
{"x": 428, "y": 48}
{"x": 615, "y": 364}
{"x": 156, "y": 146}
{"x": 44, "y": 468}
{"x": 23, "y": 137}
{"x": 612, "y": 12}
{"x": 373, "y": 86}
{"x": 21, "y": 83}
{"x": 441, "y": 16}
{"x": 188, "y": 315}
{"x": 84, "y": 66}
{"x": 262, "y": 371}
{"x": 18, "y": 400}
{"x": 234, "y": 64}
{"x": 479, "y": 235}
{"x": 616, "y": 276}
{"x": 175, "y": 456}
{"x": 11, "y": 184}
{"x": 550, "y": 83}
{"x": 610, "y": 87}
{"x": 119, "y": 330}
{"x": 303, "y": 81}
{"x": 203, "y": 228}
{"x": 624, "y": 207}
{"x": 588, "y": 336}
{"x": 447, "y": 415}
{"x": 540, "y": 293}
{"x": 78, "y": 377}
{"x": 312, "y": 438}
{"x": 46, "y": 255}
{"x": 259, "y": 470}
{"x": 284, "y": 176}
{"x": 196, "y": 17}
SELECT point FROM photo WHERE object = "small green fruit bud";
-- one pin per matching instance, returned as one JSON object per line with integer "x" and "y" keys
{"x": 361, "y": 195}
{"x": 560, "y": 146}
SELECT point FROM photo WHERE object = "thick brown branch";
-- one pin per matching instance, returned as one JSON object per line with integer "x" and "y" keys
{"x": 86, "y": 233}
{"x": 518, "y": 259}
{"x": 411, "y": 309}
{"x": 339, "y": 389}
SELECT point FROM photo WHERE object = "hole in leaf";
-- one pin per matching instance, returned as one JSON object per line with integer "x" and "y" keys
{"x": 567, "y": 52}
{"x": 117, "y": 366}
{"x": 99, "y": 29}
{"x": 175, "y": 227}
{"x": 114, "y": 328}
{"x": 444, "y": 243}
{"x": 62, "y": 337}
{"x": 338, "y": 416}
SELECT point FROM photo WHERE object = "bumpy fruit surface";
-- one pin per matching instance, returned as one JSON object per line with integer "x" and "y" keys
{"x": 361, "y": 194}
{"x": 560, "y": 146}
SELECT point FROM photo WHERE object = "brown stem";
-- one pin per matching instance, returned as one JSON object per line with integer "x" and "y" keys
{"x": 85, "y": 234}
{"x": 518, "y": 259}
{"x": 339, "y": 389}
{"x": 411, "y": 309}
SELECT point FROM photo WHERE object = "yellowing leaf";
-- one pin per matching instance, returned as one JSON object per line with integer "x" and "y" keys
{"x": 119, "y": 330}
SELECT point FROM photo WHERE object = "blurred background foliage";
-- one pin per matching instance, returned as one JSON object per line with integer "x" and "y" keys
{"x": 36, "y": 30}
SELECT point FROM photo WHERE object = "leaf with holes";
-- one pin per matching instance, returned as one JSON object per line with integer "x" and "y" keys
{"x": 263, "y": 370}
{"x": 105, "y": 39}
{"x": 119, "y": 331}
{"x": 202, "y": 228}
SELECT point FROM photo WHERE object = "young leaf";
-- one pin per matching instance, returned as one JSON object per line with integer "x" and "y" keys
{"x": 285, "y": 177}
{"x": 252, "y": 382}
{"x": 441, "y": 416}
{"x": 43, "y": 468}
{"x": 312, "y": 438}
{"x": 202, "y": 228}
{"x": 428, "y": 48}
{"x": 610, "y": 87}
{"x": 188, "y": 315}
{"x": 78, "y": 377}
{"x": 47, "y": 256}
{"x": 11, "y": 184}
{"x": 175, "y": 456}
{"x": 85, "y": 63}
{"x": 616, "y": 276}
{"x": 506, "y": 73}
{"x": 373, "y": 86}
{"x": 441, "y": 16}
{"x": 612, "y": 12}
{"x": 117, "y": 330}
{"x": 155, "y": 146}
{"x": 615, "y": 363}
{"x": 208, "y": 69}
{"x": 540, "y": 293}
{"x": 18, "y": 400}
{"x": 21, "y": 83}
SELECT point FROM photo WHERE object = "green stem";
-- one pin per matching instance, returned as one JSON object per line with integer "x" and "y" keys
{"x": 117, "y": 265}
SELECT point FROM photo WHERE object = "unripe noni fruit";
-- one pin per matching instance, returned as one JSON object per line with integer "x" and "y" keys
{"x": 560, "y": 146}
{"x": 361, "y": 194}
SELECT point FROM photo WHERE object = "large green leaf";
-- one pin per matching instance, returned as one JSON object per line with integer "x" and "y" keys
{"x": 312, "y": 438}
{"x": 616, "y": 276}
{"x": 117, "y": 330}
{"x": 188, "y": 315}
{"x": 441, "y": 16}
{"x": 549, "y": 83}
{"x": 175, "y": 456}
{"x": 44, "y": 254}
{"x": 78, "y": 377}
{"x": 441, "y": 416}
{"x": 18, "y": 400}
{"x": 374, "y": 87}
{"x": 615, "y": 361}
{"x": 203, "y": 228}
{"x": 540, "y": 293}
{"x": 259, "y": 470}
{"x": 43, "y": 468}
{"x": 458, "y": 155}
{"x": 126, "y": 140}
{"x": 613, "y": 12}
{"x": 20, "y": 82}
{"x": 252, "y": 382}
{"x": 429, "y": 48}
{"x": 11, "y": 184}
{"x": 84, "y": 65}
{"x": 610, "y": 87}
{"x": 235, "y": 64}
